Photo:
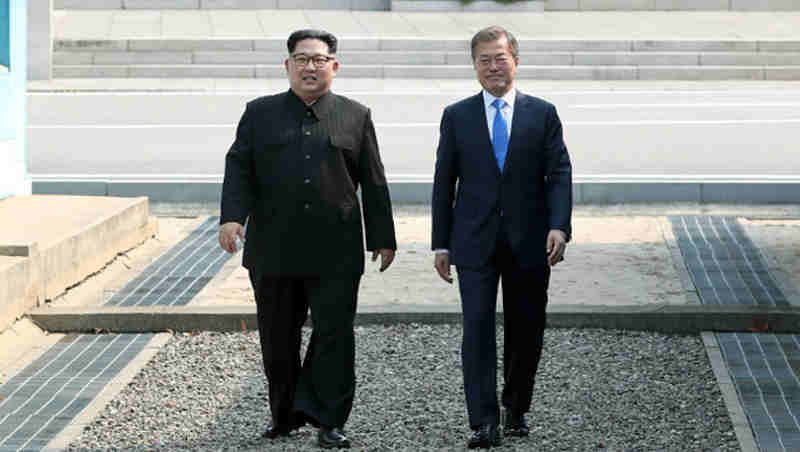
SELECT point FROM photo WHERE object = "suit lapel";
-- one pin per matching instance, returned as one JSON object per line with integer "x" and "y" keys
{"x": 520, "y": 113}
{"x": 482, "y": 126}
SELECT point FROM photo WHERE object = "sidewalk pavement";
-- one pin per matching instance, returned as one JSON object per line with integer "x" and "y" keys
{"x": 623, "y": 260}
{"x": 352, "y": 25}
{"x": 623, "y": 265}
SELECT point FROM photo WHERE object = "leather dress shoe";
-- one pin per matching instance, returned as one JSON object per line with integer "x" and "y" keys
{"x": 515, "y": 425}
{"x": 274, "y": 431}
{"x": 332, "y": 438}
{"x": 485, "y": 437}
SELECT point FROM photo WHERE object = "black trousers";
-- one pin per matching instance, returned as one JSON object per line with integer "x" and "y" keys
{"x": 321, "y": 390}
{"x": 524, "y": 309}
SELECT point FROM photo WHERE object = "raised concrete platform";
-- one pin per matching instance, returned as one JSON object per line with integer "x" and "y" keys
{"x": 50, "y": 243}
{"x": 684, "y": 319}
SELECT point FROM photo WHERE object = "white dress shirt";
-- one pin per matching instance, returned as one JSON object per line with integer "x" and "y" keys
{"x": 507, "y": 110}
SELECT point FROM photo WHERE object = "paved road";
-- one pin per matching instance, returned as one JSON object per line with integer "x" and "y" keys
{"x": 646, "y": 131}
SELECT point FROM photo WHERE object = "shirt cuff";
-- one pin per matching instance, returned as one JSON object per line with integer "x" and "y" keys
{"x": 441, "y": 251}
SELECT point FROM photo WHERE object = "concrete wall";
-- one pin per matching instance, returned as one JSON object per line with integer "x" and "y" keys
{"x": 40, "y": 266}
{"x": 14, "y": 179}
{"x": 40, "y": 39}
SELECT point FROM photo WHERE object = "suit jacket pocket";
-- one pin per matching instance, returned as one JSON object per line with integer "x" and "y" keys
{"x": 345, "y": 144}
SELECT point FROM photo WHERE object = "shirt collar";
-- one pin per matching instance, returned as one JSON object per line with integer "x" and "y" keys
{"x": 320, "y": 107}
{"x": 509, "y": 97}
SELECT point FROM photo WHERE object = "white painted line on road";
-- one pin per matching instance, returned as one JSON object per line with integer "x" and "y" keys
{"x": 105, "y": 177}
{"x": 132, "y": 126}
{"x": 684, "y": 105}
{"x": 411, "y": 125}
{"x": 417, "y": 91}
{"x": 428, "y": 177}
{"x": 684, "y": 122}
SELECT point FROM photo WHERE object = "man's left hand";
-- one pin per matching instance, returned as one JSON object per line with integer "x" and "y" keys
{"x": 556, "y": 245}
{"x": 387, "y": 256}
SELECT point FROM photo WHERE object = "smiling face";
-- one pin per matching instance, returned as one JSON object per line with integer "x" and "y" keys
{"x": 310, "y": 82}
{"x": 495, "y": 66}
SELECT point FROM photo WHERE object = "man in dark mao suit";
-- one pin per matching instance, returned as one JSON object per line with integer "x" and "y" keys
{"x": 502, "y": 206}
{"x": 292, "y": 173}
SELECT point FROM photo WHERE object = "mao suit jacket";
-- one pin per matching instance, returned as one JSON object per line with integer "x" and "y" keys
{"x": 293, "y": 173}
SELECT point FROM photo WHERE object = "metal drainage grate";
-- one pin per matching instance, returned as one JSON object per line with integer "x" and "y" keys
{"x": 37, "y": 403}
{"x": 725, "y": 265}
{"x": 178, "y": 275}
{"x": 765, "y": 369}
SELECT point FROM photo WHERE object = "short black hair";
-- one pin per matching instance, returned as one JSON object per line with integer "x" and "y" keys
{"x": 493, "y": 33}
{"x": 322, "y": 35}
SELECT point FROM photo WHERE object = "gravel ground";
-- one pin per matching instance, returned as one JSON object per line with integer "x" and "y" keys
{"x": 596, "y": 390}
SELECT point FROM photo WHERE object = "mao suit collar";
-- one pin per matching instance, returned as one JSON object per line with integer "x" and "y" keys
{"x": 321, "y": 107}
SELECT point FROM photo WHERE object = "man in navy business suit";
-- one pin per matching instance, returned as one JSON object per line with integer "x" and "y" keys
{"x": 502, "y": 207}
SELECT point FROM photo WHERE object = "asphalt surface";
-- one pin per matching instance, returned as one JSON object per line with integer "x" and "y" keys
{"x": 639, "y": 130}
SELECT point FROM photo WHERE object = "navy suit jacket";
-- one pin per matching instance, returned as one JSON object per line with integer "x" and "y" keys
{"x": 533, "y": 193}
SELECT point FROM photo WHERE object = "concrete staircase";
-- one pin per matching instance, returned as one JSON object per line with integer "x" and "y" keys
{"x": 239, "y": 43}
{"x": 436, "y": 59}
{"x": 442, "y": 5}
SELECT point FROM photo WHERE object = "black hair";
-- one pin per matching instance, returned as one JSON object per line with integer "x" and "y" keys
{"x": 322, "y": 35}
{"x": 494, "y": 33}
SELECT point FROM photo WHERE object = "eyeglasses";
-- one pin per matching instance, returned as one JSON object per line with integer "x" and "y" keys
{"x": 499, "y": 60}
{"x": 301, "y": 60}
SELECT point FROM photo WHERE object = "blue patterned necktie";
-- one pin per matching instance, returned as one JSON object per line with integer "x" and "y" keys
{"x": 500, "y": 134}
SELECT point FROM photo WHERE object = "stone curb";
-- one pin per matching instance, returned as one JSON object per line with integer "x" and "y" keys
{"x": 675, "y": 319}
{"x": 741, "y": 426}
{"x": 74, "y": 429}
{"x": 738, "y": 192}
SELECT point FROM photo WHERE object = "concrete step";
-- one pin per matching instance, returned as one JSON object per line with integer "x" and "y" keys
{"x": 50, "y": 243}
{"x": 541, "y": 72}
{"x": 425, "y": 58}
{"x": 369, "y": 5}
{"x": 417, "y": 44}
{"x": 441, "y": 5}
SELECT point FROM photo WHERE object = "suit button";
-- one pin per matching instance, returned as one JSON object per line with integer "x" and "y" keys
{"x": 307, "y": 181}
{"x": 308, "y": 156}
{"x": 308, "y": 132}
{"x": 307, "y": 206}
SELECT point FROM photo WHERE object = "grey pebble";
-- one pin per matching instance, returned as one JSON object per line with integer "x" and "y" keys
{"x": 595, "y": 390}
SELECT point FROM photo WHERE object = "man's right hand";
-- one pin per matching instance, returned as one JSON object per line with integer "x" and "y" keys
{"x": 227, "y": 235}
{"x": 442, "y": 264}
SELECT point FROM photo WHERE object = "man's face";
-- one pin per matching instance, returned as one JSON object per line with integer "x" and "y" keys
{"x": 495, "y": 66}
{"x": 311, "y": 80}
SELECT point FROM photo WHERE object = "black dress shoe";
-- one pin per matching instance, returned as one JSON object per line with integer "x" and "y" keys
{"x": 485, "y": 437}
{"x": 332, "y": 438}
{"x": 515, "y": 425}
{"x": 274, "y": 431}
